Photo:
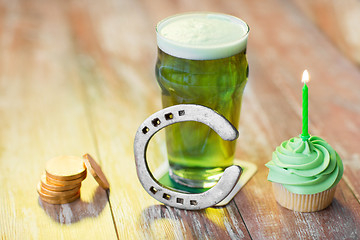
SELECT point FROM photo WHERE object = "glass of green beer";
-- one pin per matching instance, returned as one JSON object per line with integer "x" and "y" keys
{"x": 201, "y": 60}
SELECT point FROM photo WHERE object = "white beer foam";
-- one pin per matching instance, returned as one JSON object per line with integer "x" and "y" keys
{"x": 202, "y": 35}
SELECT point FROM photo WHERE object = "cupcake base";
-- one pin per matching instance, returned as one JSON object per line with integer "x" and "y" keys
{"x": 303, "y": 202}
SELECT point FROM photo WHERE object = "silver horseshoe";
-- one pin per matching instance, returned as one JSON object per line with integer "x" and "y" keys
{"x": 175, "y": 114}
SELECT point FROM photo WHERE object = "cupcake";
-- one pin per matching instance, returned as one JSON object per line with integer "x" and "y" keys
{"x": 304, "y": 174}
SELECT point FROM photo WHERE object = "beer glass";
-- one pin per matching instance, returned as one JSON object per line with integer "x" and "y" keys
{"x": 201, "y": 60}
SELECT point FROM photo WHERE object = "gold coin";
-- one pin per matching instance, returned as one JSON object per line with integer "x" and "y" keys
{"x": 46, "y": 196}
{"x": 57, "y": 182}
{"x": 65, "y": 168}
{"x": 96, "y": 171}
{"x": 60, "y": 201}
{"x": 58, "y": 188}
{"x": 68, "y": 193}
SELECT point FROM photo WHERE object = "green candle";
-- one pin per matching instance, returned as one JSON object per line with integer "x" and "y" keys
{"x": 305, "y": 134}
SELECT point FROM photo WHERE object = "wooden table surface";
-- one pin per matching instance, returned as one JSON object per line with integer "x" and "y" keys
{"x": 78, "y": 77}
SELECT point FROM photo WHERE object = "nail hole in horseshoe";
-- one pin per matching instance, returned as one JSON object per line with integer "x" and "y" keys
{"x": 193, "y": 202}
{"x": 156, "y": 122}
{"x": 153, "y": 190}
{"x": 181, "y": 112}
{"x": 180, "y": 200}
{"x": 166, "y": 196}
{"x": 145, "y": 130}
{"x": 169, "y": 116}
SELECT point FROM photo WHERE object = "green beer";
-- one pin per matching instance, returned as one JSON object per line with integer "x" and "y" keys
{"x": 209, "y": 74}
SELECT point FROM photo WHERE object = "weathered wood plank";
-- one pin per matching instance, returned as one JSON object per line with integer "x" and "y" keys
{"x": 77, "y": 76}
{"x": 42, "y": 116}
{"x": 339, "y": 20}
{"x": 272, "y": 114}
{"x": 122, "y": 92}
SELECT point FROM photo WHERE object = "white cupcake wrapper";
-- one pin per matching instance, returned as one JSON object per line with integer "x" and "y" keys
{"x": 303, "y": 202}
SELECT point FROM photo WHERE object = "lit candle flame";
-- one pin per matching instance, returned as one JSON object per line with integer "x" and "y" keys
{"x": 305, "y": 77}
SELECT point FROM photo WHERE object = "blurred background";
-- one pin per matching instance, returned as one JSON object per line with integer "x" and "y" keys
{"x": 77, "y": 76}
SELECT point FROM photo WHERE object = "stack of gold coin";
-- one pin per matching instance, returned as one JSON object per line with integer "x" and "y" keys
{"x": 62, "y": 180}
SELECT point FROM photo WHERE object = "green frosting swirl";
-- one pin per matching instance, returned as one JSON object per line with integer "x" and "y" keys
{"x": 305, "y": 167}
